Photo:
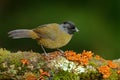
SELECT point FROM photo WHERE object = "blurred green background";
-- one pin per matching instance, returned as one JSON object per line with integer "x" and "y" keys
{"x": 97, "y": 20}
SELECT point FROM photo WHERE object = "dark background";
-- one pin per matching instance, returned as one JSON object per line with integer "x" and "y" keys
{"x": 97, "y": 20}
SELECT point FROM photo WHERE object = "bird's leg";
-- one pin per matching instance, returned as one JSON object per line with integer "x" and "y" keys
{"x": 60, "y": 50}
{"x": 44, "y": 50}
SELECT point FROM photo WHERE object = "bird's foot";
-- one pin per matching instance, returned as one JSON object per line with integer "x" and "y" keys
{"x": 44, "y": 51}
{"x": 61, "y": 51}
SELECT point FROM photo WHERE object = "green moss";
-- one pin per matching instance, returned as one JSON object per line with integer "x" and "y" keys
{"x": 114, "y": 75}
{"x": 5, "y": 77}
{"x": 3, "y": 55}
{"x": 90, "y": 75}
{"x": 15, "y": 58}
{"x": 65, "y": 75}
{"x": 11, "y": 67}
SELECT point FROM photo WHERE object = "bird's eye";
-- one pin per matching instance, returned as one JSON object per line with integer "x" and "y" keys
{"x": 65, "y": 22}
{"x": 72, "y": 27}
{"x": 69, "y": 25}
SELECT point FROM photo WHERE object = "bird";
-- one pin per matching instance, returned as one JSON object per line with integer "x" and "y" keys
{"x": 52, "y": 36}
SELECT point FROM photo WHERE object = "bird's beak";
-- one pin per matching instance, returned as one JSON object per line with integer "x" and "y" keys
{"x": 76, "y": 29}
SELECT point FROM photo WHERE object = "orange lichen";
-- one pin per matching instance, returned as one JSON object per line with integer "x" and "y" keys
{"x": 97, "y": 57}
{"x": 53, "y": 55}
{"x": 83, "y": 58}
{"x": 105, "y": 70}
{"x": 24, "y": 61}
{"x": 87, "y": 54}
{"x": 118, "y": 71}
{"x": 112, "y": 64}
{"x": 83, "y": 61}
{"x": 43, "y": 73}
{"x": 70, "y": 53}
{"x": 30, "y": 77}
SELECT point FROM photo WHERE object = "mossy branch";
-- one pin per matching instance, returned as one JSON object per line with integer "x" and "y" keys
{"x": 29, "y": 65}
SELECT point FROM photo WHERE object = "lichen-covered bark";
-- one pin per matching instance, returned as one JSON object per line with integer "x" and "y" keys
{"x": 69, "y": 65}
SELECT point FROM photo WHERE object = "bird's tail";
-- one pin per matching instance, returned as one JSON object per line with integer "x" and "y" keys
{"x": 22, "y": 33}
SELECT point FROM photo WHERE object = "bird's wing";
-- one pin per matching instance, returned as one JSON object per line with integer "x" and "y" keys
{"x": 47, "y": 31}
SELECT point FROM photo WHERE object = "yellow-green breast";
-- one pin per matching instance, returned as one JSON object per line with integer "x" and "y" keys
{"x": 53, "y": 37}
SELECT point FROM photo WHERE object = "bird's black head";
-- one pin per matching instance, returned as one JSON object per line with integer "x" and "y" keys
{"x": 69, "y": 27}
